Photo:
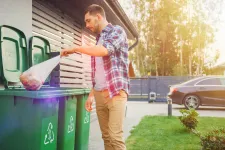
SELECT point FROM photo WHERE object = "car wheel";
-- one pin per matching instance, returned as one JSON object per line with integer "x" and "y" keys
{"x": 191, "y": 102}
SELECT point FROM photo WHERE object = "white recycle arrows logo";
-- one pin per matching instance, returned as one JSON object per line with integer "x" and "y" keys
{"x": 71, "y": 125}
{"x": 49, "y": 137}
{"x": 86, "y": 119}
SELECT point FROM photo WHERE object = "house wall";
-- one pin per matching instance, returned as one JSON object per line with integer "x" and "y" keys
{"x": 17, "y": 13}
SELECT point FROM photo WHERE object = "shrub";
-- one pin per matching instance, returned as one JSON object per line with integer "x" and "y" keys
{"x": 214, "y": 140}
{"x": 189, "y": 118}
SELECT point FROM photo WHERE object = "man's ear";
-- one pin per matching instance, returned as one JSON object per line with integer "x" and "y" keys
{"x": 99, "y": 16}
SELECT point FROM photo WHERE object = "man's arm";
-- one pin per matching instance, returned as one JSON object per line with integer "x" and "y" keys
{"x": 89, "y": 101}
{"x": 96, "y": 50}
{"x": 91, "y": 94}
{"x": 110, "y": 44}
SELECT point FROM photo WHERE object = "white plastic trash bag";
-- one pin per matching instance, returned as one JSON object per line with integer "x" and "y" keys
{"x": 34, "y": 77}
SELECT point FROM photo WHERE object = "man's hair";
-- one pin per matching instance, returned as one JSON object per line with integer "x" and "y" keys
{"x": 94, "y": 9}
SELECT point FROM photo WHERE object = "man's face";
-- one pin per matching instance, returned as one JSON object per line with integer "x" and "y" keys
{"x": 92, "y": 22}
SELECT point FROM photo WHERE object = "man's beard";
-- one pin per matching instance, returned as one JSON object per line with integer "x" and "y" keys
{"x": 96, "y": 27}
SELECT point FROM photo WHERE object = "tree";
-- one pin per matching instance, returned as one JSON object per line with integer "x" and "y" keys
{"x": 173, "y": 36}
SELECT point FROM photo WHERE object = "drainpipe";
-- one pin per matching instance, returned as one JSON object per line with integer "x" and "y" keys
{"x": 132, "y": 46}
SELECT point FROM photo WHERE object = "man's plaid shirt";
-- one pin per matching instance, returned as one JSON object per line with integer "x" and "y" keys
{"x": 116, "y": 63}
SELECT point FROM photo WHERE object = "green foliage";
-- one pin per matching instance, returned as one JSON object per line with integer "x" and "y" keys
{"x": 171, "y": 32}
{"x": 214, "y": 140}
{"x": 166, "y": 133}
{"x": 178, "y": 70}
{"x": 189, "y": 118}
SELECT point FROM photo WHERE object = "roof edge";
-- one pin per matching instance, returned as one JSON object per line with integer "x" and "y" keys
{"x": 114, "y": 4}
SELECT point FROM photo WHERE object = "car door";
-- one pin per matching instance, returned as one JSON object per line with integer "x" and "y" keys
{"x": 210, "y": 90}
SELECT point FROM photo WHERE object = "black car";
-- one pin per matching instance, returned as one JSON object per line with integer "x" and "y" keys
{"x": 207, "y": 90}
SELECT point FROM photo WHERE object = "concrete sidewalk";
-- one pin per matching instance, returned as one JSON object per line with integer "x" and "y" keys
{"x": 135, "y": 112}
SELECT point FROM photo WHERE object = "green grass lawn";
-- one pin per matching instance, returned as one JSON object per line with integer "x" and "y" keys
{"x": 164, "y": 133}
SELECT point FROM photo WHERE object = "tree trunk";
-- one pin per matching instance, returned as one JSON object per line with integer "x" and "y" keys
{"x": 190, "y": 65}
{"x": 181, "y": 61}
{"x": 202, "y": 63}
{"x": 156, "y": 68}
{"x": 163, "y": 73}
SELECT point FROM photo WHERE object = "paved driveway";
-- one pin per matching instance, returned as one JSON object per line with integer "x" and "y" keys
{"x": 136, "y": 110}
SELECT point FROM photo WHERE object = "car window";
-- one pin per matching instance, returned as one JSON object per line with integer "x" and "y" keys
{"x": 215, "y": 81}
{"x": 192, "y": 81}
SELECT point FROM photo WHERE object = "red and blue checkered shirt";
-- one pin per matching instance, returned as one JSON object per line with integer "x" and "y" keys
{"x": 116, "y": 62}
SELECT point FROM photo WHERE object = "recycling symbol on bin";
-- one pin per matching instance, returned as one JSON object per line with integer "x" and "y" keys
{"x": 86, "y": 119}
{"x": 71, "y": 125}
{"x": 49, "y": 137}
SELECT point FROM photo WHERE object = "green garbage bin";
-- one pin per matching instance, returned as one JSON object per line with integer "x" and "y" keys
{"x": 67, "y": 119}
{"x": 29, "y": 119}
{"x": 82, "y": 118}
{"x": 67, "y": 123}
{"x": 73, "y": 121}
{"x": 83, "y": 124}
{"x": 39, "y": 52}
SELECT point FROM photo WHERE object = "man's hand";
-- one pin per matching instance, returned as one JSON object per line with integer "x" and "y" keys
{"x": 66, "y": 52}
{"x": 88, "y": 104}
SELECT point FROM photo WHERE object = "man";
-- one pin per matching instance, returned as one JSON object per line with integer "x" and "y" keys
{"x": 109, "y": 75}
